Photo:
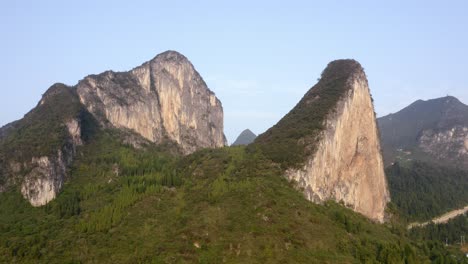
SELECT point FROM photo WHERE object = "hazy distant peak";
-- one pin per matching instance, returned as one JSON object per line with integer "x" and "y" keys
{"x": 245, "y": 138}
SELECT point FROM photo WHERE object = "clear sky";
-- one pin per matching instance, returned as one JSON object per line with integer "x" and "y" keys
{"x": 259, "y": 58}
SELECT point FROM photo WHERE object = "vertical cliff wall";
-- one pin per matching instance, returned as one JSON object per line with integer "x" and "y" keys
{"x": 334, "y": 136}
{"x": 348, "y": 165}
{"x": 164, "y": 98}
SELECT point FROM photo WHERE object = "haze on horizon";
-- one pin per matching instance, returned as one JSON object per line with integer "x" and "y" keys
{"x": 259, "y": 58}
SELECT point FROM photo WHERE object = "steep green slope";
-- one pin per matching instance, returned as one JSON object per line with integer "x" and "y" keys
{"x": 42, "y": 130}
{"x": 227, "y": 205}
{"x": 292, "y": 139}
{"x": 422, "y": 191}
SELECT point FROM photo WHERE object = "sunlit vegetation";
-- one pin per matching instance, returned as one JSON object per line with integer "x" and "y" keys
{"x": 145, "y": 206}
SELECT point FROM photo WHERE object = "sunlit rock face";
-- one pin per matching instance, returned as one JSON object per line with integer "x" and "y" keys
{"x": 165, "y": 98}
{"x": 347, "y": 165}
{"x": 45, "y": 180}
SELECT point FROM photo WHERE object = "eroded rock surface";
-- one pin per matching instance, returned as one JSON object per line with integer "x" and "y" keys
{"x": 48, "y": 173}
{"x": 449, "y": 144}
{"x": 164, "y": 98}
{"x": 347, "y": 165}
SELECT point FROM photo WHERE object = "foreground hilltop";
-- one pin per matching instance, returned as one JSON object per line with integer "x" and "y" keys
{"x": 162, "y": 102}
{"x": 329, "y": 144}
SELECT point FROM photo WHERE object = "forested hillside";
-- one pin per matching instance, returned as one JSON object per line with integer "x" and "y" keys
{"x": 422, "y": 191}
{"x": 231, "y": 204}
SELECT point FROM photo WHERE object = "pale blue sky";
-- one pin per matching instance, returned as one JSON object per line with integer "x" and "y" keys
{"x": 259, "y": 58}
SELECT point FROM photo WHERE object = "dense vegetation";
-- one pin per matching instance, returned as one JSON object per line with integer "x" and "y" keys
{"x": 144, "y": 206}
{"x": 293, "y": 138}
{"x": 422, "y": 191}
{"x": 42, "y": 131}
{"x": 449, "y": 233}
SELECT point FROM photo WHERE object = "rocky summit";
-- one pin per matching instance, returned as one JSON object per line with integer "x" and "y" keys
{"x": 163, "y": 100}
{"x": 333, "y": 129}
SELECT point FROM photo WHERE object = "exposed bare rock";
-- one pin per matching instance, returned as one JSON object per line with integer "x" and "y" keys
{"x": 435, "y": 130}
{"x": 74, "y": 130}
{"x": 48, "y": 173}
{"x": 164, "y": 98}
{"x": 37, "y": 150}
{"x": 45, "y": 180}
{"x": 162, "y": 101}
{"x": 449, "y": 144}
{"x": 343, "y": 160}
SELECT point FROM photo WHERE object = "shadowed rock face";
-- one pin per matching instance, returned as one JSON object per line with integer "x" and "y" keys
{"x": 347, "y": 164}
{"x": 435, "y": 130}
{"x": 164, "y": 98}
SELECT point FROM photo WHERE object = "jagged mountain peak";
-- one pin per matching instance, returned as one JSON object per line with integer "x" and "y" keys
{"x": 164, "y": 101}
{"x": 165, "y": 98}
{"x": 328, "y": 143}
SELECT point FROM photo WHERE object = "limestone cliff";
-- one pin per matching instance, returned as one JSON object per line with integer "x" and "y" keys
{"x": 164, "y": 98}
{"x": 47, "y": 175}
{"x": 342, "y": 157}
{"x": 38, "y": 149}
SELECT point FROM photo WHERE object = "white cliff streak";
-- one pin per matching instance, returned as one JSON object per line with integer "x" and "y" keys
{"x": 74, "y": 130}
{"x": 42, "y": 184}
{"x": 163, "y": 98}
{"x": 348, "y": 165}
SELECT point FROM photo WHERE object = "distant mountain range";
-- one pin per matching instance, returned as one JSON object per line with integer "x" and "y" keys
{"x": 434, "y": 130}
{"x": 245, "y": 138}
